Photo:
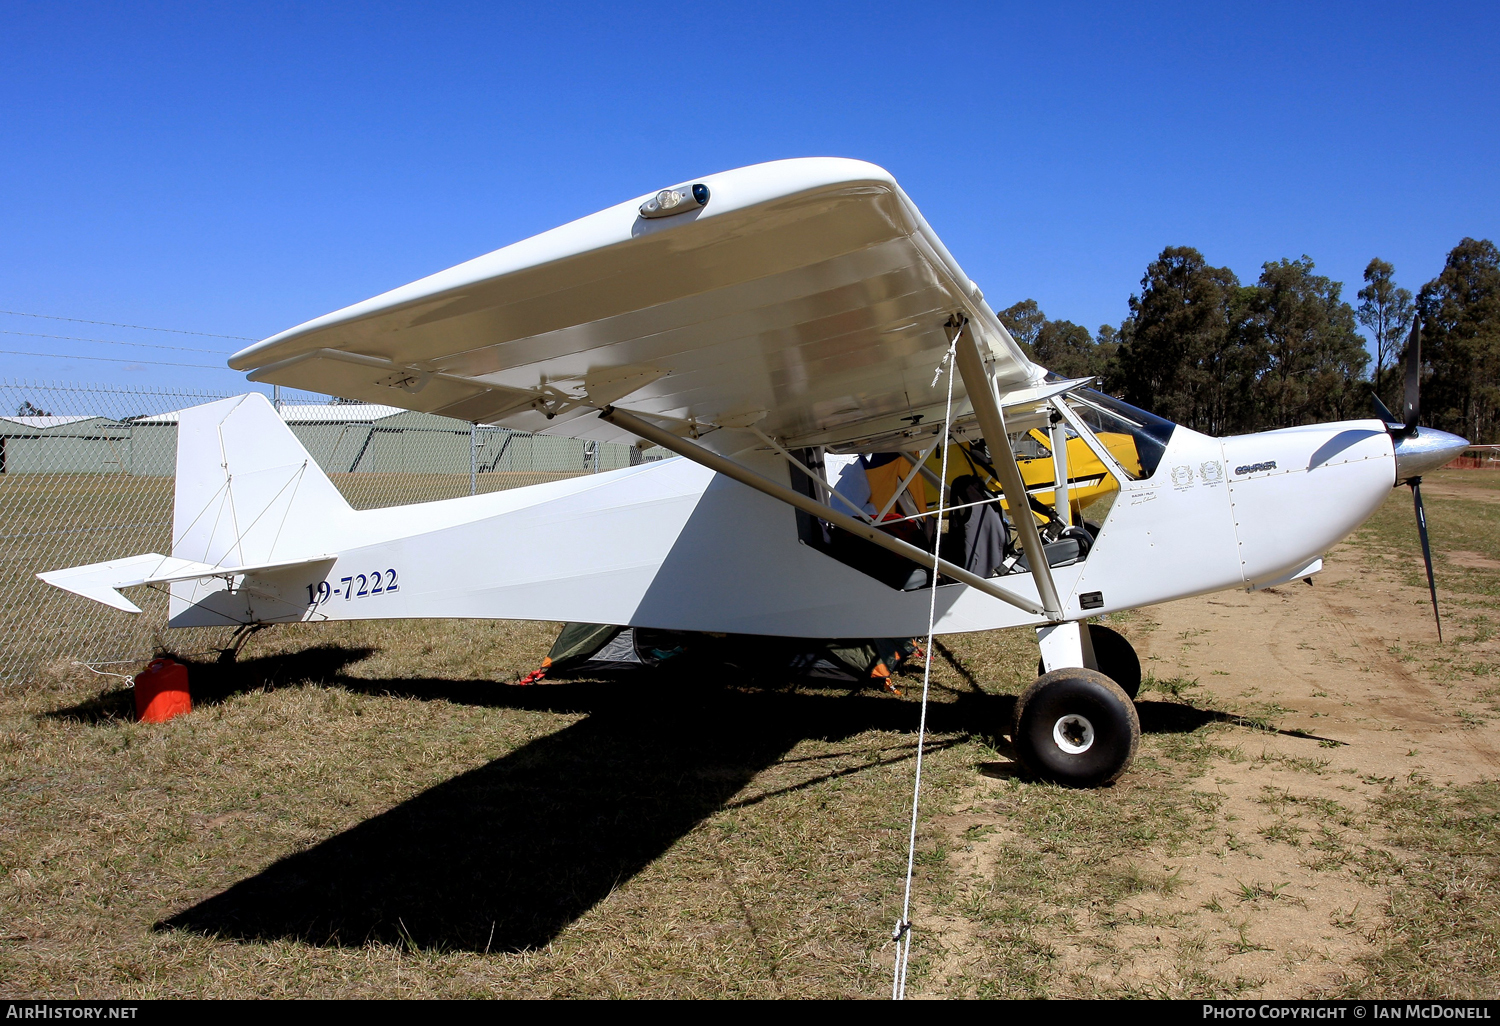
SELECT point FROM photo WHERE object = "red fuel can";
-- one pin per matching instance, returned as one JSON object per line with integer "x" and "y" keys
{"x": 161, "y": 691}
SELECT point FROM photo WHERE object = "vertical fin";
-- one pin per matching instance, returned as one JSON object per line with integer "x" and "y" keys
{"x": 247, "y": 490}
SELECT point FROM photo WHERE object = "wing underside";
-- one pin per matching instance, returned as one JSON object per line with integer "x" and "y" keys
{"x": 807, "y": 298}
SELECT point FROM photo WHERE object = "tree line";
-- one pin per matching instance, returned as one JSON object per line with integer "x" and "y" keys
{"x": 1224, "y": 357}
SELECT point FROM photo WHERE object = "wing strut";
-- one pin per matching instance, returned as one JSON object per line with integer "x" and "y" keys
{"x": 992, "y": 425}
{"x": 721, "y": 465}
{"x": 823, "y": 486}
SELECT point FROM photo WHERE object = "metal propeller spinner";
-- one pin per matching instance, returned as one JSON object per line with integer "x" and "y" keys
{"x": 1418, "y": 450}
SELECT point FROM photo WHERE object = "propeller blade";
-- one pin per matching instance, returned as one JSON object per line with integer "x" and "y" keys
{"x": 1381, "y": 410}
{"x": 1413, "y": 375}
{"x": 1416, "y": 496}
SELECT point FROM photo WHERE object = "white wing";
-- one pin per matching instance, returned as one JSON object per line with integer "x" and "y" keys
{"x": 808, "y": 297}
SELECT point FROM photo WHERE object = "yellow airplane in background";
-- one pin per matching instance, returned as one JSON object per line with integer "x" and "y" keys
{"x": 1088, "y": 479}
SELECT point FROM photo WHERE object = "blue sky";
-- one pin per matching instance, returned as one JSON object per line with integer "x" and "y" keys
{"x": 239, "y": 170}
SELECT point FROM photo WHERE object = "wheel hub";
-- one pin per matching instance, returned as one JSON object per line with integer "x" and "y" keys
{"x": 1074, "y": 734}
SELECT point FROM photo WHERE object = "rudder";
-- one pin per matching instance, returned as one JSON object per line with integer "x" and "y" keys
{"x": 247, "y": 491}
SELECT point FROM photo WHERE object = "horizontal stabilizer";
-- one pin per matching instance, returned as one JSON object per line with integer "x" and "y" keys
{"x": 101, "y": 581}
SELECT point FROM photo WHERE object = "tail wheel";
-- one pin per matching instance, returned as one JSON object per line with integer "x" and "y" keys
{"x": 1116, "y": 658}
{"x": 1076, "y": 727}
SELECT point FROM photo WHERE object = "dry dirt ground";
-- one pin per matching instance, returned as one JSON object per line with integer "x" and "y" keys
{"x": 375, "y": 811}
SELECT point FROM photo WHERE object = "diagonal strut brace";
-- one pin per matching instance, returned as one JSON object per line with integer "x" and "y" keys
{"x": 722, "y": 465}
{"x": 992, "y": 425}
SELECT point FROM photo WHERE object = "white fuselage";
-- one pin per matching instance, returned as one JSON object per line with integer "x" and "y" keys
{"x": 673, "y": 545}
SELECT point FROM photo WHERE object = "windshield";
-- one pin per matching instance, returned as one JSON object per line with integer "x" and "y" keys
{"x": 1135, "y": 438}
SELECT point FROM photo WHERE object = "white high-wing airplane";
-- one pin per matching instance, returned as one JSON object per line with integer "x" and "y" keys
{"x": 751, "y": 322}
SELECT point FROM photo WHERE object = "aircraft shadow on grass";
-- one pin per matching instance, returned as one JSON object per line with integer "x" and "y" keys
{"x": 506, "y": 856}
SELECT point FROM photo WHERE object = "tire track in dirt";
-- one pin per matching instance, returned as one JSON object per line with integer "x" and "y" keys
{"x": 1320, "y": 659}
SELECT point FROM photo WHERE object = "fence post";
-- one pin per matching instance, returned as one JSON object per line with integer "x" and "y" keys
{"x": 474, "y": 459}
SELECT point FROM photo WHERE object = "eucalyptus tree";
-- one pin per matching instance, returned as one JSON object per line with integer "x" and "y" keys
{"x": 1386, "y": 310}
{"x": 1314, "y": 360}
{"x": 1024, "y": 321}
{"x": 1068, "y": 349}
{"x": 1460, "y": 311}
{"x": 1182, "y": 350}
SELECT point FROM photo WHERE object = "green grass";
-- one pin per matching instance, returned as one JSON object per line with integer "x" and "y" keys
{"x": 1441, "y": 863}
{"x": 1071, "y": 854}
{"x": 1467, "y": 595}
{"x": 1453, "y": 525}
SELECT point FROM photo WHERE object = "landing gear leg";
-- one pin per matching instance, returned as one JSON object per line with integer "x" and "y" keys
{"x": 1065, "y": 644}
{"x": 1107, "y": 651}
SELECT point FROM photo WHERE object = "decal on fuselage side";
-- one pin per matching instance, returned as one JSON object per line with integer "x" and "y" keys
{"x": 377, "y": 582}
{"x": 1255, "y": 468}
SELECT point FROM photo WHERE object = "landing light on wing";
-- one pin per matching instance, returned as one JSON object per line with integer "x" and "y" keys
{"x": 677, "y": 200}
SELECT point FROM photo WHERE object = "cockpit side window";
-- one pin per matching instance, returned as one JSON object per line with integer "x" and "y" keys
{"x": 1136, "y": 439}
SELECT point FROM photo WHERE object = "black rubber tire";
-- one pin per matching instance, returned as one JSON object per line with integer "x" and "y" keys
{"x": 1116, "y": 658}
{"x": 1089, "y": 694}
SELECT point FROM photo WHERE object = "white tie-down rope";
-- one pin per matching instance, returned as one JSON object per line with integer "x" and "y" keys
{"x": 902, "y": 934}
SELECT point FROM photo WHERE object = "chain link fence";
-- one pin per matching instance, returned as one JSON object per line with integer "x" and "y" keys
{"x": 86, "y": 475}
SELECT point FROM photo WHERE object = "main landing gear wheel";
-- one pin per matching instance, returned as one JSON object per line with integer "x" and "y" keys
{"x": 1076, "y": 727}
{"x": 1116, "y": 658}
